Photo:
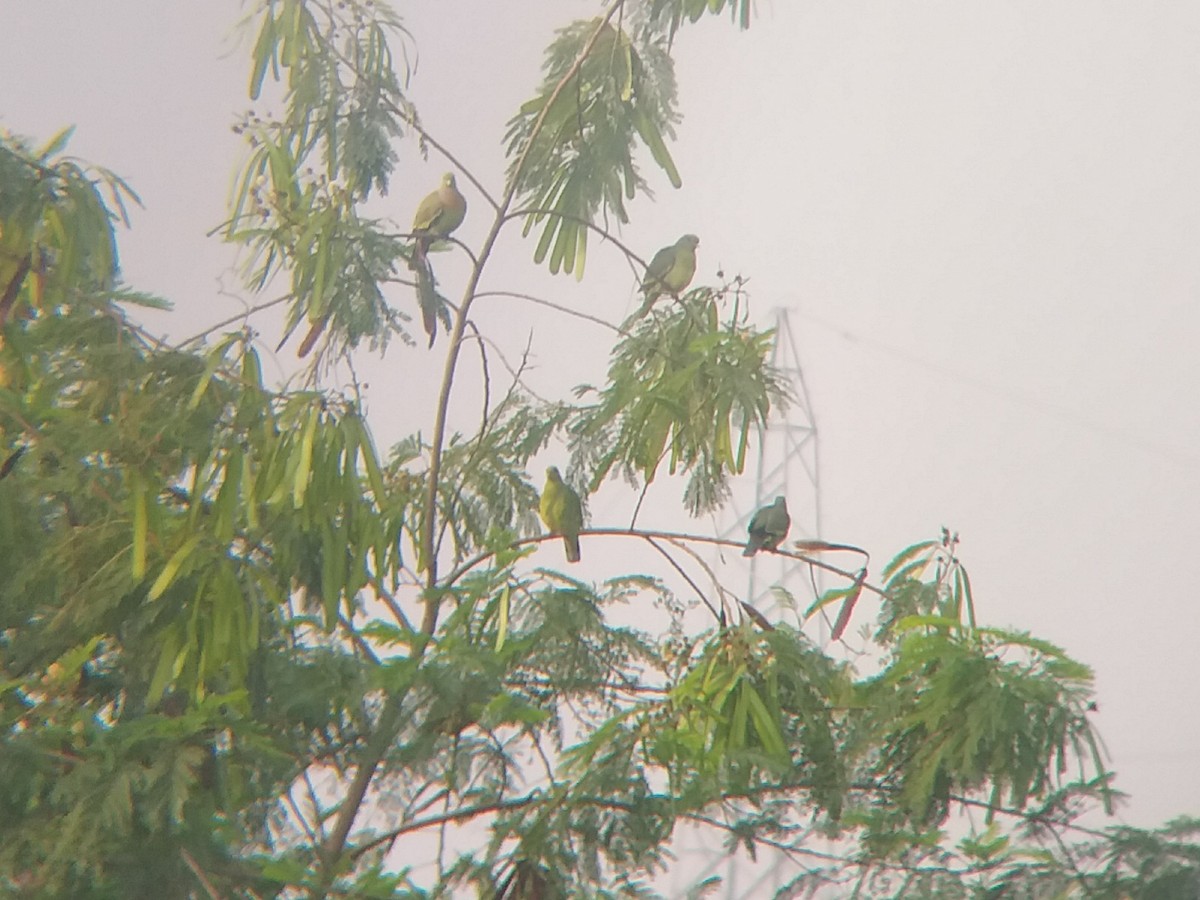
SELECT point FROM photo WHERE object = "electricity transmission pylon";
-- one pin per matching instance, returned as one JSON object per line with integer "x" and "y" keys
{"x": 789, "y": 465}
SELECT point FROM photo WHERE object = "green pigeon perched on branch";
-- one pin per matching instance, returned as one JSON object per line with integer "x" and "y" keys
{"x": 437, "y": 216}
{"x": 768, "y": 527}
{"x": 562, "y": 512}
{"x": 670, "y": 271}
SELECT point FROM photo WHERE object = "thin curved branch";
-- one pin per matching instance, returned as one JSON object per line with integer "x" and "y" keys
{"x": 300, "y": 817}
{"x": 684, "y": 575}
{"x": 242, "y": 316}
{"x": 488, "y": 421}
{"x": 545, "y": 798}
{"x": 449, "y": 239}
{"x": 458, "y": 573}
{"x": 555, "y": 306}
{"x": 191, "y": 863}
{"x": 484, "y": 423}
{"x": 517, "y": 373}
{"x": 637, "y": 507}
{"x": 712, "y": 576}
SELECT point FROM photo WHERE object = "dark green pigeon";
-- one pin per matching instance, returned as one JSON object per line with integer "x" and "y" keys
{"x": 670, "y": 271}
{"x": 768, "y": 527}
{"x": 562, "y": 512}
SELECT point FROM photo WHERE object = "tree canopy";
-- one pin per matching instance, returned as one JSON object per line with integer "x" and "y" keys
{"x": 245, "y": 654}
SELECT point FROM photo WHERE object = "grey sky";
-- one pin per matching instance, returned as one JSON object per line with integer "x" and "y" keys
{"x": 983, "y": 216}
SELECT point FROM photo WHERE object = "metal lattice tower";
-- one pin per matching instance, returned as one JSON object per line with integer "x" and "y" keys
{"x": 788, "y": 465}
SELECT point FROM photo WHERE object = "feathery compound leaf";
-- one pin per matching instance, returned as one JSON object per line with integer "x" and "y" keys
{"x": 906, "y": 556}
{"x": 675, "y": 386}
{"x": 601, "y": 94}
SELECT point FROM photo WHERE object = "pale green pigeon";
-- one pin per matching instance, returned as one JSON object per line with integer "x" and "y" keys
{"x": 768, "y": 527}
{"x": 562, "y": 512}
{"x": 670, "y": 271}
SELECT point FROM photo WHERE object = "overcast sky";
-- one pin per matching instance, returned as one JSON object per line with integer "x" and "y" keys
{"x": 983, "y": 218}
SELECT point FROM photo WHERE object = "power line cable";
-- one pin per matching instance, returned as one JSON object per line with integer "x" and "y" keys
{"x": 1110, "y": 431}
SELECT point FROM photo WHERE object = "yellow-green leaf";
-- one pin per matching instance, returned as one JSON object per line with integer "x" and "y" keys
{"x": 304, "y": 466}
{"x": 140, "y": 528}
{"x": 370, "y": 461}
{"x": 216, "y": 357}
{"x": 315, "y": 307}
{"x": 264, "y": 52}
{"x": 743, "y": 442}
{"x": 171, "y": 569}
{"x": 168, "y": 664}
{"x": 251, "y": 368}
{"x": 249, "y": 497}
{"x": 225, "y": 507}
{"x": 580, "y": 252}
{"x": 765, "y": 725}
{"x": 502, "y": 616}
{"x": 626, "y": 92}
{"x": 658, "y": 147}
{"x": 55, "y": 144}
{"x": 737, "y": 723}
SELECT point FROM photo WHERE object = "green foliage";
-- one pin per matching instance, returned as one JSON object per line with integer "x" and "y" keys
{"x": 242, "y": 656}
{"x": 967, "y": 709}
{"x": 684, "y": 388}
{"x": 669, "y": 15}
{"x": 57, "y": 246}
{"x": 572, "y": 146}
{"x": 485, "y": 488}
{"x": 345, "y": 106}
{"x": 345, "y": 102}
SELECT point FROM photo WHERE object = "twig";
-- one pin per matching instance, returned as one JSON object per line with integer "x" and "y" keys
{"x": 484, "y": 423}
{"x": 684, "y": 575}
{"x": 316, "y": 805}
{"x": 357, "y": 640}
{"x": 300, "y": 817}
{"x": 244, "y": 314}
{"x": 212, "y": 892}
{"x": 637, "y": 508}
{"x": 390, "y": 602}
{"x": 712, "y": 576}
{"x": 517, "y": 373}
{"x": 675, "y": 536}
{"x": 556, "y": 306}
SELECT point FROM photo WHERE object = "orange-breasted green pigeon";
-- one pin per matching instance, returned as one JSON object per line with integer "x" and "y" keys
{"x": 670, "y": 271}
{"x": 768, "y": 527}
{"x": 437, "y": 216}
{"x": 562, "y": 512}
